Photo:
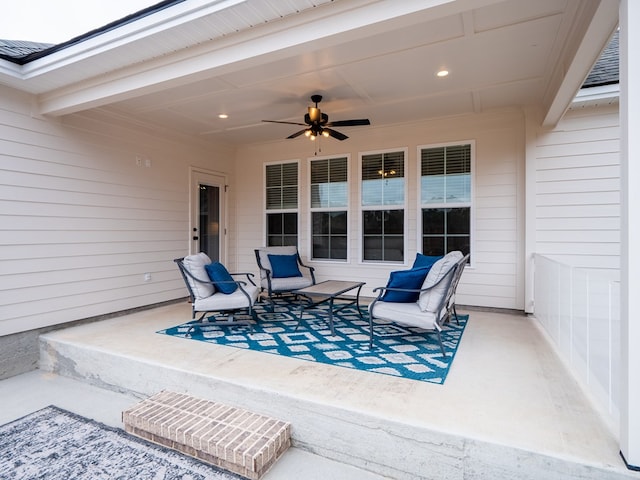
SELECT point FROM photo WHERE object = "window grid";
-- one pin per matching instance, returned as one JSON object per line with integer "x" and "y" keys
{"x": 329, "y": 201}
{"x": 446, "y": 199}
{"x": 281, "y": 198}
{"x": 383, "y": 187}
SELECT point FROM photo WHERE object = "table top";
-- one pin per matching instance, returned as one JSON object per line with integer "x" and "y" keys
{"x": 330, "y": 288}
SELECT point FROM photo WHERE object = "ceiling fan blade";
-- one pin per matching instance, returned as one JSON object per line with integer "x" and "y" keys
{"x": 335, "y": 134}
{"x": 288, "y": 123}
{"x": 349, "y": 123}
{"x": 297, "y": 134}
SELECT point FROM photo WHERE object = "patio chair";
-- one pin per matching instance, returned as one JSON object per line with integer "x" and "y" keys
{"x": 212, "y": 289}
{"x": 451, "y": 305}
{"x": 281, "y": 271}
{"x": 427, "y": 306}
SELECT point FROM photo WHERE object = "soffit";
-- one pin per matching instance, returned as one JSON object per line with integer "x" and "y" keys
{"x": 262, "y": 59}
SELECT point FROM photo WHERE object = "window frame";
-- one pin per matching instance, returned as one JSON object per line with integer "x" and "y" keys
{"x": 346, "y": 208}
{"x": 267, "y": 211}
{"x": 470, "y": 204}
{"x": 362, "y": 208}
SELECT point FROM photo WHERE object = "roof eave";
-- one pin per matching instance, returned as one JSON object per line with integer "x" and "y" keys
{"x": 596, "y": 37}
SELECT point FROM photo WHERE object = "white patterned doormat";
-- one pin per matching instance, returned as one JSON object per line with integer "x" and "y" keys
{"x": 55, "y": 444}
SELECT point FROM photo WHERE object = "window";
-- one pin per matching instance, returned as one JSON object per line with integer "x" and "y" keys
{"x": 383, "y": 198}
{"x": 445, "y": 192}
{"x": 329, "y": 199}
{"x": 281, "y": 187}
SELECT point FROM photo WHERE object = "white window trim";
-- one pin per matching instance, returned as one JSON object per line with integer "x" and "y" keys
{"x": 266, "y": 211}
{"x": 347, "y": 207}
{"x": 360, "y": 209}
{"x": 471, "y": 204}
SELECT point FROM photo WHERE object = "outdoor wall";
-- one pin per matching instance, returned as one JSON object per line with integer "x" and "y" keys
{"x": 495, "y": 278}
{"x": 577, "y": 190}
{"x": 89, "y": 204}
{"x": 575, "y": 194}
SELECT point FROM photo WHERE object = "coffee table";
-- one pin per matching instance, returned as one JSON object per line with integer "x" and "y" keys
{"x": 329, "y": 291}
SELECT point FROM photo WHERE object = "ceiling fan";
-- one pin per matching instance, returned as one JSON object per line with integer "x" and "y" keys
{"x": 317, "y": 123}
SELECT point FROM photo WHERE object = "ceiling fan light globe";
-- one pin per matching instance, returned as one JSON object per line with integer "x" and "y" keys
{"x": 325, "y": 133}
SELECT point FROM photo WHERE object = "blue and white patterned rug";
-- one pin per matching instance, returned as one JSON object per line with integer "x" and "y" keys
{"x": 399, "y": 351}
{"x": 54, "y": 444}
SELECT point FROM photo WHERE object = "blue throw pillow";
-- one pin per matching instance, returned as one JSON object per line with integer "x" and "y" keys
{"x": 218, "y": 274}
{"x": 425, "y": 260}
{"x": 284, "y": 266}
{"x": 410, "y": 279}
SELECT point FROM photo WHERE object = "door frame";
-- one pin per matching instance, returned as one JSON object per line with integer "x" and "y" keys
{"x": 215, "y": 179}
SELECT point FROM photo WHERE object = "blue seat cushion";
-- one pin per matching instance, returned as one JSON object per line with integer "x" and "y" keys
{"x": 425, "y": 260}
{"x": 284, "y": 266}
{"x": 221, "y": 277}
{"x": 409, "y": 279}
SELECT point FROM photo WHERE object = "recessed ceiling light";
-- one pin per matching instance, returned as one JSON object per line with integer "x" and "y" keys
{"x": 442, "y": 73}
{"x": 223, "y": 115}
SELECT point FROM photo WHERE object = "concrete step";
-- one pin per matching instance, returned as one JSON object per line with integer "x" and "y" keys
{"x": 32, "y": 391}
{"x": 372, "y": 441}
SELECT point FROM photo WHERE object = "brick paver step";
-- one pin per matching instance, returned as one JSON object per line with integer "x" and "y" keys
{"x": 232, "y": 438}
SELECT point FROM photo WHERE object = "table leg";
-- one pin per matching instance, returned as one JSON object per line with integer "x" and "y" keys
{"x": 358, "y": 302}
{"x": 302, "y": 307}
{"x": 333, "y": 332}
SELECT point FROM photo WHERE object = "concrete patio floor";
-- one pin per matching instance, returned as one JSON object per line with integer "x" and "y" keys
{"x": 506, "y": 389}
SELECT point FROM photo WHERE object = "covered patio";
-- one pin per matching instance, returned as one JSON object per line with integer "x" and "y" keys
{"x": 108, "y": 139}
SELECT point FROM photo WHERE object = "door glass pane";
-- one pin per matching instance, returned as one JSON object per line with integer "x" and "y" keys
{"x": 210, "y": 221}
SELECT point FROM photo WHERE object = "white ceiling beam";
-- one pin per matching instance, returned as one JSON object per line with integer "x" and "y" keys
{"x": 255, "y": 46}
{"x": 596, "y": 37}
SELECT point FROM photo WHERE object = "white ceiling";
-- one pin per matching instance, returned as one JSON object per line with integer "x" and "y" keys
{"x": 263, "y": 59}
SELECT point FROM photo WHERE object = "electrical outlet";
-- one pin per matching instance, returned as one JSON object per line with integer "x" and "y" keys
{"x": 138, "y": 161}
{"x": 147, "y": 277}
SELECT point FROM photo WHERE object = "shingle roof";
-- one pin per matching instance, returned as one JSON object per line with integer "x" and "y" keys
{"x": 606, "y": 71}
{"x": 23, "y": 52}
{"x": 20, "y": 48}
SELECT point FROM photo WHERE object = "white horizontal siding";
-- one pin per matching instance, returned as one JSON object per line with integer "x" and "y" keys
{"x": 577, "y": 190}
{"x": 81, "y": 222}
{"x": 495, "y": 277}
